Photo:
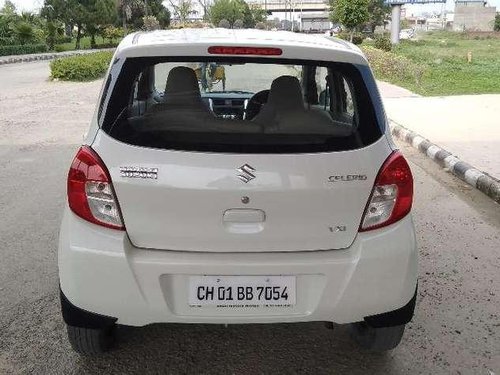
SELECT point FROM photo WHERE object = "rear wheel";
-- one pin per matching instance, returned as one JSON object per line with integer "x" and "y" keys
{"x": 377, "y": 339}
{"x": 89, "y": 341}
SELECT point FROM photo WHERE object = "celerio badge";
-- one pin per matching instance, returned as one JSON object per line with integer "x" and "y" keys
{"x": 139, "y": 172}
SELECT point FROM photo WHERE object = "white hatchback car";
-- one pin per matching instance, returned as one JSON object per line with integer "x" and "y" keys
{"x": 238, "y": 176}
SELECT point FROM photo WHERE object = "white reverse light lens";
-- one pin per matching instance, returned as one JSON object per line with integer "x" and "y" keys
{"x": 102, "y": 202}
{"x": 381, "y": 205}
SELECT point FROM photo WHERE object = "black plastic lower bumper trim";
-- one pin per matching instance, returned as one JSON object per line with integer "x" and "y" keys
{"x": 77, "y": 317}
{"x": 393, "y": 318}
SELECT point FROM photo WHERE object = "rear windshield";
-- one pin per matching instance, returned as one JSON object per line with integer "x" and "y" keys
{"x": 248, "y": 106}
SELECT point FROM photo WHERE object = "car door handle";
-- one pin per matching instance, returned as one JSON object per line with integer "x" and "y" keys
{"x": 244, "y": 216}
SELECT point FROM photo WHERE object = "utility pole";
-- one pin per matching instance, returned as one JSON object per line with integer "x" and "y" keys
{"x": 395, "y": 22}
{"x": 301, "y": 7}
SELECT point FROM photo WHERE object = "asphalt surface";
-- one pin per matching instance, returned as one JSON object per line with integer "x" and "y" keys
{"x": 456, "y": 329}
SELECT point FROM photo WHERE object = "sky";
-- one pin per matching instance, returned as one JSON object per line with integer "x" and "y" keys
{"x": 31, "y": 5}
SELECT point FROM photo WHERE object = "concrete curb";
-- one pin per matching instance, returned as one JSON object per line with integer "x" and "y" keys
{"x": 14, "y": 59}
{"x": 466, "y": 172}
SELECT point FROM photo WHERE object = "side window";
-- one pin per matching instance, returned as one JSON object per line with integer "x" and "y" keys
{"x": 343, "y": 107}
{"x": 321, "y": 82}
{"x": 103, "y": 97}
{"x": 336, "y": 95}
{"x": 349, "y": 101}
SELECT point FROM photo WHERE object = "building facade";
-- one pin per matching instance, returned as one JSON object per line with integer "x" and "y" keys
{"x": 473, "y": 15}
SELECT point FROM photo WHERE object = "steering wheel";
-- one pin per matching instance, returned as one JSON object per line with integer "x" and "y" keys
{"x": 255, "y": 103}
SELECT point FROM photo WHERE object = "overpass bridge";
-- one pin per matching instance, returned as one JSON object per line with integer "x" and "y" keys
{"x": 292, "y": 5}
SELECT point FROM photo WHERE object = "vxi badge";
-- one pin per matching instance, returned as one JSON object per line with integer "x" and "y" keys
{"x": 347, "y": 178}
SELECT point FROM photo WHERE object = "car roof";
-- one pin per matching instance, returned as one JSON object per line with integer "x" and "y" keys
{"x": 195, "y": 42}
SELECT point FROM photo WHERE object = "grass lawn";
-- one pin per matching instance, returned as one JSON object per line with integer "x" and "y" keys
{"x": 84, "y": 43}
{"x": 442, "y": 56}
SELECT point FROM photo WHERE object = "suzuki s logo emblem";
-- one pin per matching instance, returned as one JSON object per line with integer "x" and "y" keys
{"x": 246, "y": 173}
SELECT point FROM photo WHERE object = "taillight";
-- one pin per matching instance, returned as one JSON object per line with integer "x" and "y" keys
{"x": 90, "y": 191}
{"x": 238, "y": 50}
{"x": 392, "y": 194}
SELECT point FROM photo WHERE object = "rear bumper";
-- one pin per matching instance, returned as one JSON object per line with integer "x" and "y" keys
{"x": 102, "y": 272}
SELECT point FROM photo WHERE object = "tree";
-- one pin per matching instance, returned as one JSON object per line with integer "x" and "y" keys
{"x": 7, "y": 21}
{"x": 205, "y": 5}
{"x": 111, "y": 33}
{"x": 162, "y": 14}
{"x": 223, "y": 23}
{"x": 378, "y": 11}
{"x": 54, "y": 13}
{"x": 229, "y": 10}
{"x": 258, "y": 14}
{"x": 182, "y": 9}
{"x": 97, "y": 13}
{"x": 24, "y": 32}
{"x": 260, "y": 26}
{"x": 127, "y": 8}
{"x": 87, "y": 15}
{"x": 9, "y": 9}
{"x": 150, "y": 23}
{"x": 234, "y": 10}
{"x": 496, "y": 25}
{"x": 350, "y": 13}
{"x": 238, "y": 24}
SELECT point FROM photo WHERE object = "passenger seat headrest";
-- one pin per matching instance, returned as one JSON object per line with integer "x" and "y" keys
{"x": 286, "y": 93}
{"x": 182, "y": 86}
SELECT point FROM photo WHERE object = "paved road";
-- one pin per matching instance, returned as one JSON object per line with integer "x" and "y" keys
{"x": 455, "y": 331}
{"x": 468, "y": 126}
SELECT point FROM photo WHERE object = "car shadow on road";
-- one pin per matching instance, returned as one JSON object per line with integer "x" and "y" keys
{"x": 237, "y": 349}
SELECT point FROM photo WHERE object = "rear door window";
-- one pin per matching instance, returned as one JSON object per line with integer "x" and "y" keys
{"x": 241, "y": 105}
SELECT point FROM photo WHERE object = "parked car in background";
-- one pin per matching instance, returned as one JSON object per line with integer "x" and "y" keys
{"x": 407, "y": 34}
{"x": 278, "y": 197}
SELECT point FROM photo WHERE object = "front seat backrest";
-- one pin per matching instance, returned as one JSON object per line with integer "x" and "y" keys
{"x": 182, "y": 88}
{"x": 182, "y": 107}
{"x": 285, "y": 96}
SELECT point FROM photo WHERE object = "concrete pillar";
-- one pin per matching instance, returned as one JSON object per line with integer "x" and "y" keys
{"x": 395, "y": 23}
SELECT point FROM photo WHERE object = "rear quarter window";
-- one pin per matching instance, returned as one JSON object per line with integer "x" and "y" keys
{"x": 241, "y": 105}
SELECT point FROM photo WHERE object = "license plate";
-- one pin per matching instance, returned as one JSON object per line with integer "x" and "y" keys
{"x": 242, "y": 291}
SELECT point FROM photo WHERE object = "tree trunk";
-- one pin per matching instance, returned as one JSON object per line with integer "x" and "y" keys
{"x": 124, "y": 16}
{"x": 351, "y": 36}
{"x": 92, "y": 41}
{"x": 78, "y": 36}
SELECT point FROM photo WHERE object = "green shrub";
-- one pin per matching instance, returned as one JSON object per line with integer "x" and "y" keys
{"x": 106, "y": 45}
{"x": 22, "y": 49}
{"x": 391, "y": 67}
{"x": 383, "y": 42}
{"x": 64, "y": 39}
{"x": 24, "y": 32}
{"x": 357, "y": 38}
{"x": 112, "y": 33}
{"x": 62, "y": 48}
{"x": 81, "y": 68}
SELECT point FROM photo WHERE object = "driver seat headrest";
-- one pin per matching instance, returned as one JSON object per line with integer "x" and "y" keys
{"x": 286, "y": 94}
{"x": 182, "y": 87}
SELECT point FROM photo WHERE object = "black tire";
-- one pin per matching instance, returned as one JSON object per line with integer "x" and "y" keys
{"x": 377, "y": 339}
{"x": 88, "y": 341}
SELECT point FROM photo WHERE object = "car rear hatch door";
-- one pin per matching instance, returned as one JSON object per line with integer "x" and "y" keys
{"x": 226, "y": 202}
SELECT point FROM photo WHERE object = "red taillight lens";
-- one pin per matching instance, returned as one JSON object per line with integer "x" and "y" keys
{"x": 90, "y": 191}
{"x": 392, "y": 194}
{"x": 257, "y": 51}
